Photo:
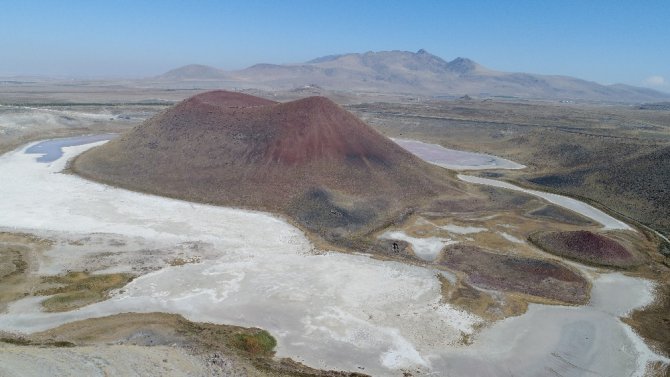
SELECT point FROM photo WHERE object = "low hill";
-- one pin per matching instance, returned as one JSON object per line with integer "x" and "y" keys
{"x": 309, "y": 159}
{"x": 419, "y": 73}
{"x": 194, "y": 72}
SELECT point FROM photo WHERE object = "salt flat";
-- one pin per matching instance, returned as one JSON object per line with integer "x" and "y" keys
{"x": 454, "y": 159}
{"x": 427, "y": 248}
{"x": 326, "y": 309}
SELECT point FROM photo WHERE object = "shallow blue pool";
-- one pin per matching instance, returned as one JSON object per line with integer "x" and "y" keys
{"x": 51, "y": 150}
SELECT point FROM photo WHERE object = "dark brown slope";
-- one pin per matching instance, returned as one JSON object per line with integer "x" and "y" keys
{"x": 309, "y": 159}
{"x": 586, "y": 247}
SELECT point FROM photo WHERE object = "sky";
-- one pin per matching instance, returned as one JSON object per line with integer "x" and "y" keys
{"x": 608, "y": 41}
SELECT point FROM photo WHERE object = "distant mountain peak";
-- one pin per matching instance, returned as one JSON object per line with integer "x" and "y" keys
{"x": 322, "y": 59}
{"x": 416, "y": 71}
{"x": 463, "y": 66}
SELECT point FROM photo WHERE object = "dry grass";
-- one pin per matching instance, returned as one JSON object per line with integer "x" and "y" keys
{"x": 479, "y": 302}
{"x": 18, "y": 252}
{"x": 78, "y": 289}
{"x": 653, "y": 321}
{"x": 183, "y": 261}
{"x": 258, "y": 343}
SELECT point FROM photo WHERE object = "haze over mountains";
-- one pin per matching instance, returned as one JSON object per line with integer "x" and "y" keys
{"x": 409, "y": 72}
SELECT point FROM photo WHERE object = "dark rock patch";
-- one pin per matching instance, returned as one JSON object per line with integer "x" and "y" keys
{"x": 585, "y": 246}
{"x": 552, "y": 212}
{"x": 508, "y": 273}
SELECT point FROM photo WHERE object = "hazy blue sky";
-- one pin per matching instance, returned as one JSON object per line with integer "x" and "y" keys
{"x": 605, "y": 41}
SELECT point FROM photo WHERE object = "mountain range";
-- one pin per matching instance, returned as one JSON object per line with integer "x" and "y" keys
{"x": 404, "y": 72}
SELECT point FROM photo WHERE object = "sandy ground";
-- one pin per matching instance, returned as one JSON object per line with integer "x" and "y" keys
{"x": 111, "y": 360}
{"x": 328, "y": 310}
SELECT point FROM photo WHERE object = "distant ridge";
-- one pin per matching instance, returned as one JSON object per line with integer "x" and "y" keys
{"x": 419, "y": 73}
{"x": 309, "y": 159}
{"x": 194, "y": 72}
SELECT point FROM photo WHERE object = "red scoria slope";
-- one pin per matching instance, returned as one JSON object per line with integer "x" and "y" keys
{"x": 585, "y": 246}
{"x": 309, "y": 159}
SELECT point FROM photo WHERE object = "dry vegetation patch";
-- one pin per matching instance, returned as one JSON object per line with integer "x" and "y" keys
{"x": 653, "y": 321}
{"x": 78, "y": 289}
{"x": 18, "y": 252}
{"x": 487, "y": 305}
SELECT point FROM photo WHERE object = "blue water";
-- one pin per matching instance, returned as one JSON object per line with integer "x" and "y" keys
{"x": 52, "y": 150}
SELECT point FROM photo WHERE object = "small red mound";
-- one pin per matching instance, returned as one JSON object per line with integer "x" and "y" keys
{"x": 585, "y": 246}
{"x": 530, "y": 276}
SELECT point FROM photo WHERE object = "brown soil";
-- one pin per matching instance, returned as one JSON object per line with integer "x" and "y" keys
{"x": 653, "y": 321}
{"x": 309, "y": 159}
{"x": 18, "y": 252}
{"x": 490, "y": 306}
{"x": 507, "y": 273}
{"x": 585, "y": 246}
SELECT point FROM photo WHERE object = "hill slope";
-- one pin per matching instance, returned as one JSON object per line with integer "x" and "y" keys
{"x": 309, "y": 159}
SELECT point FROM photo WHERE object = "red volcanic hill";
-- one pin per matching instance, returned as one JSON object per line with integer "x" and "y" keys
{"x": 586, "y": 246}
{"x": 309, "y": 159}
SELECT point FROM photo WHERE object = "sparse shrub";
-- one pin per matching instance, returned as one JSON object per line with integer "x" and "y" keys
{"x": 258, "y": 343}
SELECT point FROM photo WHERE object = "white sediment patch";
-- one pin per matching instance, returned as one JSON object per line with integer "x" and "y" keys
{"x": 105, "y": 360}
{"x": 454, "y": 159}
{"x": 427, "y": 248}
{"x": 457, "y": 229}
{"x": 29, "y": 112}
{"x": 452, "y": 228}
{"x": 575, "y": 341}
{"x": 662, "y": 236}
{"x": 331, "y": 310}
{"x": 607, "y": 221}
{"x": 618, "y": 294}
{"x": 510, "y": 238}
